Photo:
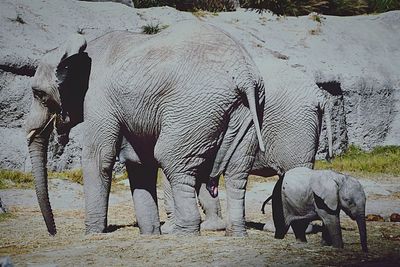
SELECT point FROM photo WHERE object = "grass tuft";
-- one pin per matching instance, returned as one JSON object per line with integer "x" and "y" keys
{"x": 75, "y": 175}
{"x": 22, "y": 180}
{"x": 15, "y": 179}
{"x": 153, "y": 29}
{"x": 6, "y": 216}
{"x": 18, "y": 19}
{"x": 382, "y": 159}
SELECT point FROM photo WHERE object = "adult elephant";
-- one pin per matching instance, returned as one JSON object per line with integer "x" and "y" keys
{"x": 171, "y": 95}
{"x": 291, "y": 129}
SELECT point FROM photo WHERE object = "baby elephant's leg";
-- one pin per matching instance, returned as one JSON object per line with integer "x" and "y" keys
{"x": 299, "y": 228}
{"x": 326, "y": 237}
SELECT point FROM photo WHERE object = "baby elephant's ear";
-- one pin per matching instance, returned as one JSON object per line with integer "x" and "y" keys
{"x": 326, "y": 189}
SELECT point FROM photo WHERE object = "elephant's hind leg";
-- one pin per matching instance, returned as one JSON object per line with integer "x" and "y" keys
{"x": 98, "y": 157}
{"x": 168, "y": 226}
{"x": 143, "y": 181}
{"x": 236, "y": 175}
{"x": 212, "y": 209}
{"x": 186, "y": 212}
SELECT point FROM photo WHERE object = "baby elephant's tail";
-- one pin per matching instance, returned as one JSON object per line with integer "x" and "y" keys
{"x": 265, "y": 203}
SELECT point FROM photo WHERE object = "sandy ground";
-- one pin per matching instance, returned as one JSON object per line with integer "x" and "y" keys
{"x": 24, "y": 238}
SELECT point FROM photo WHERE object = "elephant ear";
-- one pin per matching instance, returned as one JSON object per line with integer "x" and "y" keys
{"x": 327, "y": 190}
{"x": 73, "y": 73}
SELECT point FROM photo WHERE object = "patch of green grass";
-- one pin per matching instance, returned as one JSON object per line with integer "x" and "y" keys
{"x": 15, "y": 179}
{"x": 23, "y": 180}
{"x": 153, "y": 28}
{"x": 18, "y": 19}
{"x": 316, "y": 17}
{"x": 383, "y": 159}
{"x": 200, "y": 13}
{"x": 6, "y": 216}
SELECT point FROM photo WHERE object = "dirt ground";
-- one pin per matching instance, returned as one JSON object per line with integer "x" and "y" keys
{"x": 24, "y": 239}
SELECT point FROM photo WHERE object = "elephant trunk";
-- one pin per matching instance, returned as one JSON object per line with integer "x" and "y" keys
{"x": 38, "y": 155}
{"x": 362, "y": 228}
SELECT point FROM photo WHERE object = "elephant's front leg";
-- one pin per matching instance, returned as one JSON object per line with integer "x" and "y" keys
{"x": 98, "y": 157}
{"x": 333, "y": 234}
{"x": 299, "y": 228}
{"x": 143, "y": 181}
{"x": 236, "y": 176}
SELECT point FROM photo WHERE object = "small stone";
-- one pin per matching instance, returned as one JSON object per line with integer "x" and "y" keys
{"x": 374, "y": 218}
{"x": 395, "y": 217}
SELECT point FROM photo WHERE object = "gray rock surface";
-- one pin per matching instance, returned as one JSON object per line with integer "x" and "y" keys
{"x": 125, "y": 2}
{"x": 356, "y": 60}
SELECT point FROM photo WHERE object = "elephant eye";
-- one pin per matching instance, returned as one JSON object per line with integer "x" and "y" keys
{"x": 38, "y": 93}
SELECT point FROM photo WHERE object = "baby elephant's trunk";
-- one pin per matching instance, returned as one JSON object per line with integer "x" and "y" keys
{"x": 362, "y": 228}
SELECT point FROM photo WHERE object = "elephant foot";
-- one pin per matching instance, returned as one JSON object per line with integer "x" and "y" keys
{"x": 230, "y": 232}
{"x": 325, "y": 243}
{"x": 301, "y": 240}
{"x": 213, "y": 224}
{"x": 95, "y": 229}
{"x": 269, "y": 227}
{"x": 187, "y": 229}
{"x": 338, "y": 245}
{"x": 154, "y": 230}
{"x": 184, "y": 232}
{"x": 167, "y": 227}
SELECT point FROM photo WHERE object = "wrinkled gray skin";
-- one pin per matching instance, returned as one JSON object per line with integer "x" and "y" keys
{"x": 211, "y": 207}
{"x": 291, "y": 128}
{"x": 171, "y": 95}
{"x": 305, "y": 195}
{"x": 213, "y": 220}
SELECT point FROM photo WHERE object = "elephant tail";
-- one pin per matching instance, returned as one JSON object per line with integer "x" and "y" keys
{"x": 235, "y": 135}
{"x": 265, "y": 203}
{"x": 252, "y": 97}
{"x": 327, "y": 117}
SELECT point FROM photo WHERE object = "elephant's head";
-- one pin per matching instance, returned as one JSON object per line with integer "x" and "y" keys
{"x": 59, "y": 87}
{"x": 346, "y": 193}
{"x": 352, "y": 201}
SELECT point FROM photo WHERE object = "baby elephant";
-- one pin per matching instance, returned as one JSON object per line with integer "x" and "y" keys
{"x": 304, "y": 195}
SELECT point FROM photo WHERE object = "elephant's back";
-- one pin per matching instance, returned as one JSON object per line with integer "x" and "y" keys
{"x": 113, "y": 47}
{"x": 190, "y": 44}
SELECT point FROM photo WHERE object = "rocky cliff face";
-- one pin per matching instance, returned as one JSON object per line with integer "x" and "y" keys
{"x": 356, "y": 60}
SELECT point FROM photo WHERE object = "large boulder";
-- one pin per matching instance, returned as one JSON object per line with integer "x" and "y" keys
{"x": 125, "y": 2}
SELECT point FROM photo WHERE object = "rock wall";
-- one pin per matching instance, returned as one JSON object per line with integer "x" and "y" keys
{"x": 355, "y": 60}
